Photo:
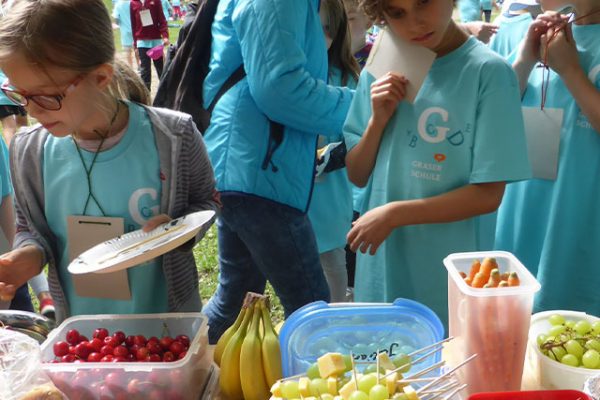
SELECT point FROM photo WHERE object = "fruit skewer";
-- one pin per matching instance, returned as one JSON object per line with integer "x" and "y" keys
{"x": 418, "y": 360}
{"x": 443, "y": 376}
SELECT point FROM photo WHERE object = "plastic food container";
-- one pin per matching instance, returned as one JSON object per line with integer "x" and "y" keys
{"x": 180, "y": 380}
{"x": 493, "y": 323}
{"x": 548, "y": 373}
{"x": 359, "y": 328}
{"x": 533, "y": 395}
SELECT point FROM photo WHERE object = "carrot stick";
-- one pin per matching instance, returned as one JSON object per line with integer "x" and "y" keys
{"x": 503, "y": 284}
{"x": 474, "y": 269}
{"x": 468, "y": 281}
{"x": 513, "y": 279}
{"x": 479, "y": 280}
{"x": 494, "y": 280}
{"x": 487, "y": 266}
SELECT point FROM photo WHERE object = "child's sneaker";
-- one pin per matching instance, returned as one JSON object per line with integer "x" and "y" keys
{"x": 47, "y": 308}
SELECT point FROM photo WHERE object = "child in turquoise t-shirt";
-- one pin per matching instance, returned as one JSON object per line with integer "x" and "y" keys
{"x": 330, "y": 210}
{"x": 432, "y": 167}
{"x": 97, "y": 151}
{"x": 553, "y": 225}
{"x": 513, "y": 24}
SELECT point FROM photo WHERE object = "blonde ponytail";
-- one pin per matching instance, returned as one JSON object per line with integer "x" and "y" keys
{"x": 128, "y": 85}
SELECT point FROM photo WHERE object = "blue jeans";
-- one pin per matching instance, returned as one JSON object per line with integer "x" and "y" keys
{"x": 22, "y": 300}
{"x": 259, "y": 240}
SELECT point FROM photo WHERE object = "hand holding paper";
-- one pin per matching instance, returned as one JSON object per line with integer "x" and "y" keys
{"x": 392, "y": 54}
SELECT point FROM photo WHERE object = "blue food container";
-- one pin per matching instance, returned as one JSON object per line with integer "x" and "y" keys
{"x": 362, "y": 329}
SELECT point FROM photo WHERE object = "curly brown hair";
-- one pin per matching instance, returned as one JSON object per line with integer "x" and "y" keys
{"x": 374, "y": 9}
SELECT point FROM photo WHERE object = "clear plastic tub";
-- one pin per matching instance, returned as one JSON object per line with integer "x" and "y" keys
{"x": 180, "y": 380}
{"x": 494, "y": 323}
{"x": 550, "y": 374}
{"x": 358, "y": 328}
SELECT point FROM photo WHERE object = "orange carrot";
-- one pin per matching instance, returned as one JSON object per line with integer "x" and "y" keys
{"x": 468, "y": 281}
{"x": 513, "y": 279}
{"x": 479, "y": 280}
{"x": 462, "y": 274}
{"x": 503, "y": 284}
{"x": 487, "y": 266}
{"x": 504, "y": 276}
{"x": 474, "y": 269}
{"x": 494, "y": 280}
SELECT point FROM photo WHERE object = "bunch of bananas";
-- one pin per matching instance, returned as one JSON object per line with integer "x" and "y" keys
{"x": 249, "y": 355}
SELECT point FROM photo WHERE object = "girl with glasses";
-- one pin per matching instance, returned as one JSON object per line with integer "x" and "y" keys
{"x": 98, "y": 151}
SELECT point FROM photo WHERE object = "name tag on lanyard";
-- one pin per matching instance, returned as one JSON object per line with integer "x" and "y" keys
{"x": 85, "y": 232}
{"x": 542, "y": 130}
{"x": 146, "y": 18}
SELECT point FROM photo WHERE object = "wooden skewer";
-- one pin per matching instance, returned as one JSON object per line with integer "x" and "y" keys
{"x": 430, "y": 346}
{"x": 415, "y": 380}
{"x": 455, "y": 391}
{"x": 418, "y": 360}
{"x": 443, "y": 388}
{"x": 377, "y": 364}
{"x": 354, "y": 370}
{"x": 427, "y": 370}
{"x": 432, "y": 383}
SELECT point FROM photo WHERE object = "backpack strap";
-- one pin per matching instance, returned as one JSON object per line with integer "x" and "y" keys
{"x": 234, "y": 78}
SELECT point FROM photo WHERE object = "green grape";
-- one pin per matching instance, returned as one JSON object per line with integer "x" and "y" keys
{"x": 366, "y": 382}
{"x": 573, "y": 347}
{"x": 556, "y": 319}
{"x": 556, "y": 330}
{"x": 591, "y": 359}
{"x": 313, "y": 371}
{"x": 372, "y": 368}
{"x": 557, "y": 353}
{"x": 541, "y": 339}
{"x": 318, "y": 386}
{"x": 358, "y": 395}
{"x": 593, "y": 344}
{"x": 570, "y": 359}
{"x": 596, "y": 328}
{"x": 582, "y": 327}
{"x": 570, "y": 324}
{"x": 289, "y": 389}
{"x": 348, "y": 362}
{"x": 378, "y": 392}
{"x": 400, "y": 360}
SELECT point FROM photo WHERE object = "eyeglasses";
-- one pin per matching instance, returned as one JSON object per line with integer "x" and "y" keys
{"x": 46, "y": 101}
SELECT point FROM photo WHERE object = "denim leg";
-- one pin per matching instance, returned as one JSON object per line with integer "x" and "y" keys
{"x": 237, "y": 275}
{"x": 273, "y": 241}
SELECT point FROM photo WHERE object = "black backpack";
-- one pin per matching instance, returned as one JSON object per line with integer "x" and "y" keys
{"x": 180, "y": 86}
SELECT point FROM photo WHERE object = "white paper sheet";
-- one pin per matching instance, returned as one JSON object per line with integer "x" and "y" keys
{"x": 542, "y": 129}
{"x": 391, "y": 54}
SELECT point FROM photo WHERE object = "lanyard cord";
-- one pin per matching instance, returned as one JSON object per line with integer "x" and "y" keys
{"x": 546, "y": 71}
{"x": 88, "y": 172}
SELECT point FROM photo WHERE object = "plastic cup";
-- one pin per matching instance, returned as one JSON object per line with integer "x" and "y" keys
{"x": 492, "y": 323}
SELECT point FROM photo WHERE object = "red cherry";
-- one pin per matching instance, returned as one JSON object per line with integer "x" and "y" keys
{"x": 120, "y": 351}
{"x": 154, "y": 347}
{"x": 111, "y": 341}
{"x": 107, "y": 350}
{"x": 72, "y": 349}
{"x": 119, "y": 336}
{"x": 154, "y": 358}
{"x": 78, "y": 361}
{"x": 152, "y": 339}
{"x": 100, "y": 333}
{"x": 159, "y": 378}
{"x": 177, "y": 347}
{"x": 107, "y": 358}
{"x": 183, "y": 339}
{"x": 82, "y": 350}
{"x": 182, "y": 355}
{"x": 119, "y": 359}
{"x": 133, "y": 349}
{"x": 96, "y": 344}
{"x": 156, "y": 394}
{"x": 83, "y": 339}
{"x": 105, "y": 393}
{"x": 69, "y": 358}
{"x": 140, "y": 340}
{"x": 168, "y": 357}
{"x": 165, "y": 342}
{"x": 131, "y": 357}
{"x": 129, "y": 340}
{"x": 94, "y": 357}
{"x": 142, "y": 354}
{"x": 134, "y": 387}
{"x": 73, "y": 337}
{"x": 60, "y": 349}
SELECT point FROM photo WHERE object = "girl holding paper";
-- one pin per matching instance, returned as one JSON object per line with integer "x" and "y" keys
{"x": 552, "y": 224}
{"x": 433, "y": 166}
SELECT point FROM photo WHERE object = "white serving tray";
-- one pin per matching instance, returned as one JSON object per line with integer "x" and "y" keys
{"x": 137, "y": 247}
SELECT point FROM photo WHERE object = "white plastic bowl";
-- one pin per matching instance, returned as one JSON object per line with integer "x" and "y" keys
{"x": 550, "y": 374}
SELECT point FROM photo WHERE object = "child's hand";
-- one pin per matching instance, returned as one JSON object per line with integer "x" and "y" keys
{"x": 483, "y": 31}
{"x": 370, "y": 230}
{"x": 559, "y": 49}
{"x": 529, "y": 51}
{"x": 155, "y": 222}
{"x": 386, "y": 93}
{"x": 16, "y": 268}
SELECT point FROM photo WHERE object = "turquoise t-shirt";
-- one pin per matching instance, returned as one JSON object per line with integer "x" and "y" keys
{"x": 523, "y": 214}
{"x": 166, "y": 6}
{"x": 176, "y": 2}
{"x": 4, "y": 101}
{"x": 567, "y": 266}
{"x": 330, "y": 210}
{"x": 469, "y": 10}
{"x": 148, "y": 44}
{"x": 122, "y": 15}
{"x": 5, "y": 183}
{"x": 485, "y": 5}
{"x": 126, "y": 182}
{"x": 511, "y": 31}
{"x": 452, "y": 136}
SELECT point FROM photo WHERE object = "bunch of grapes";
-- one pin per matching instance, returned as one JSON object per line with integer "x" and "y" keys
{"x": 573, "y": 343}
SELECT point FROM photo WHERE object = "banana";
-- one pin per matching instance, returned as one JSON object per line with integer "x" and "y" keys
{"x": 271, "y": 353}
{"x": 229, "y": 379}
{"x": 224, "y": 339}
{"x": 254, "y": 385}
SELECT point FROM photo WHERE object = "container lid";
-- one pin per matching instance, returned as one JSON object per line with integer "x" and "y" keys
{"x": 362, "y": 329}
{"x": 507, "y": 262}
